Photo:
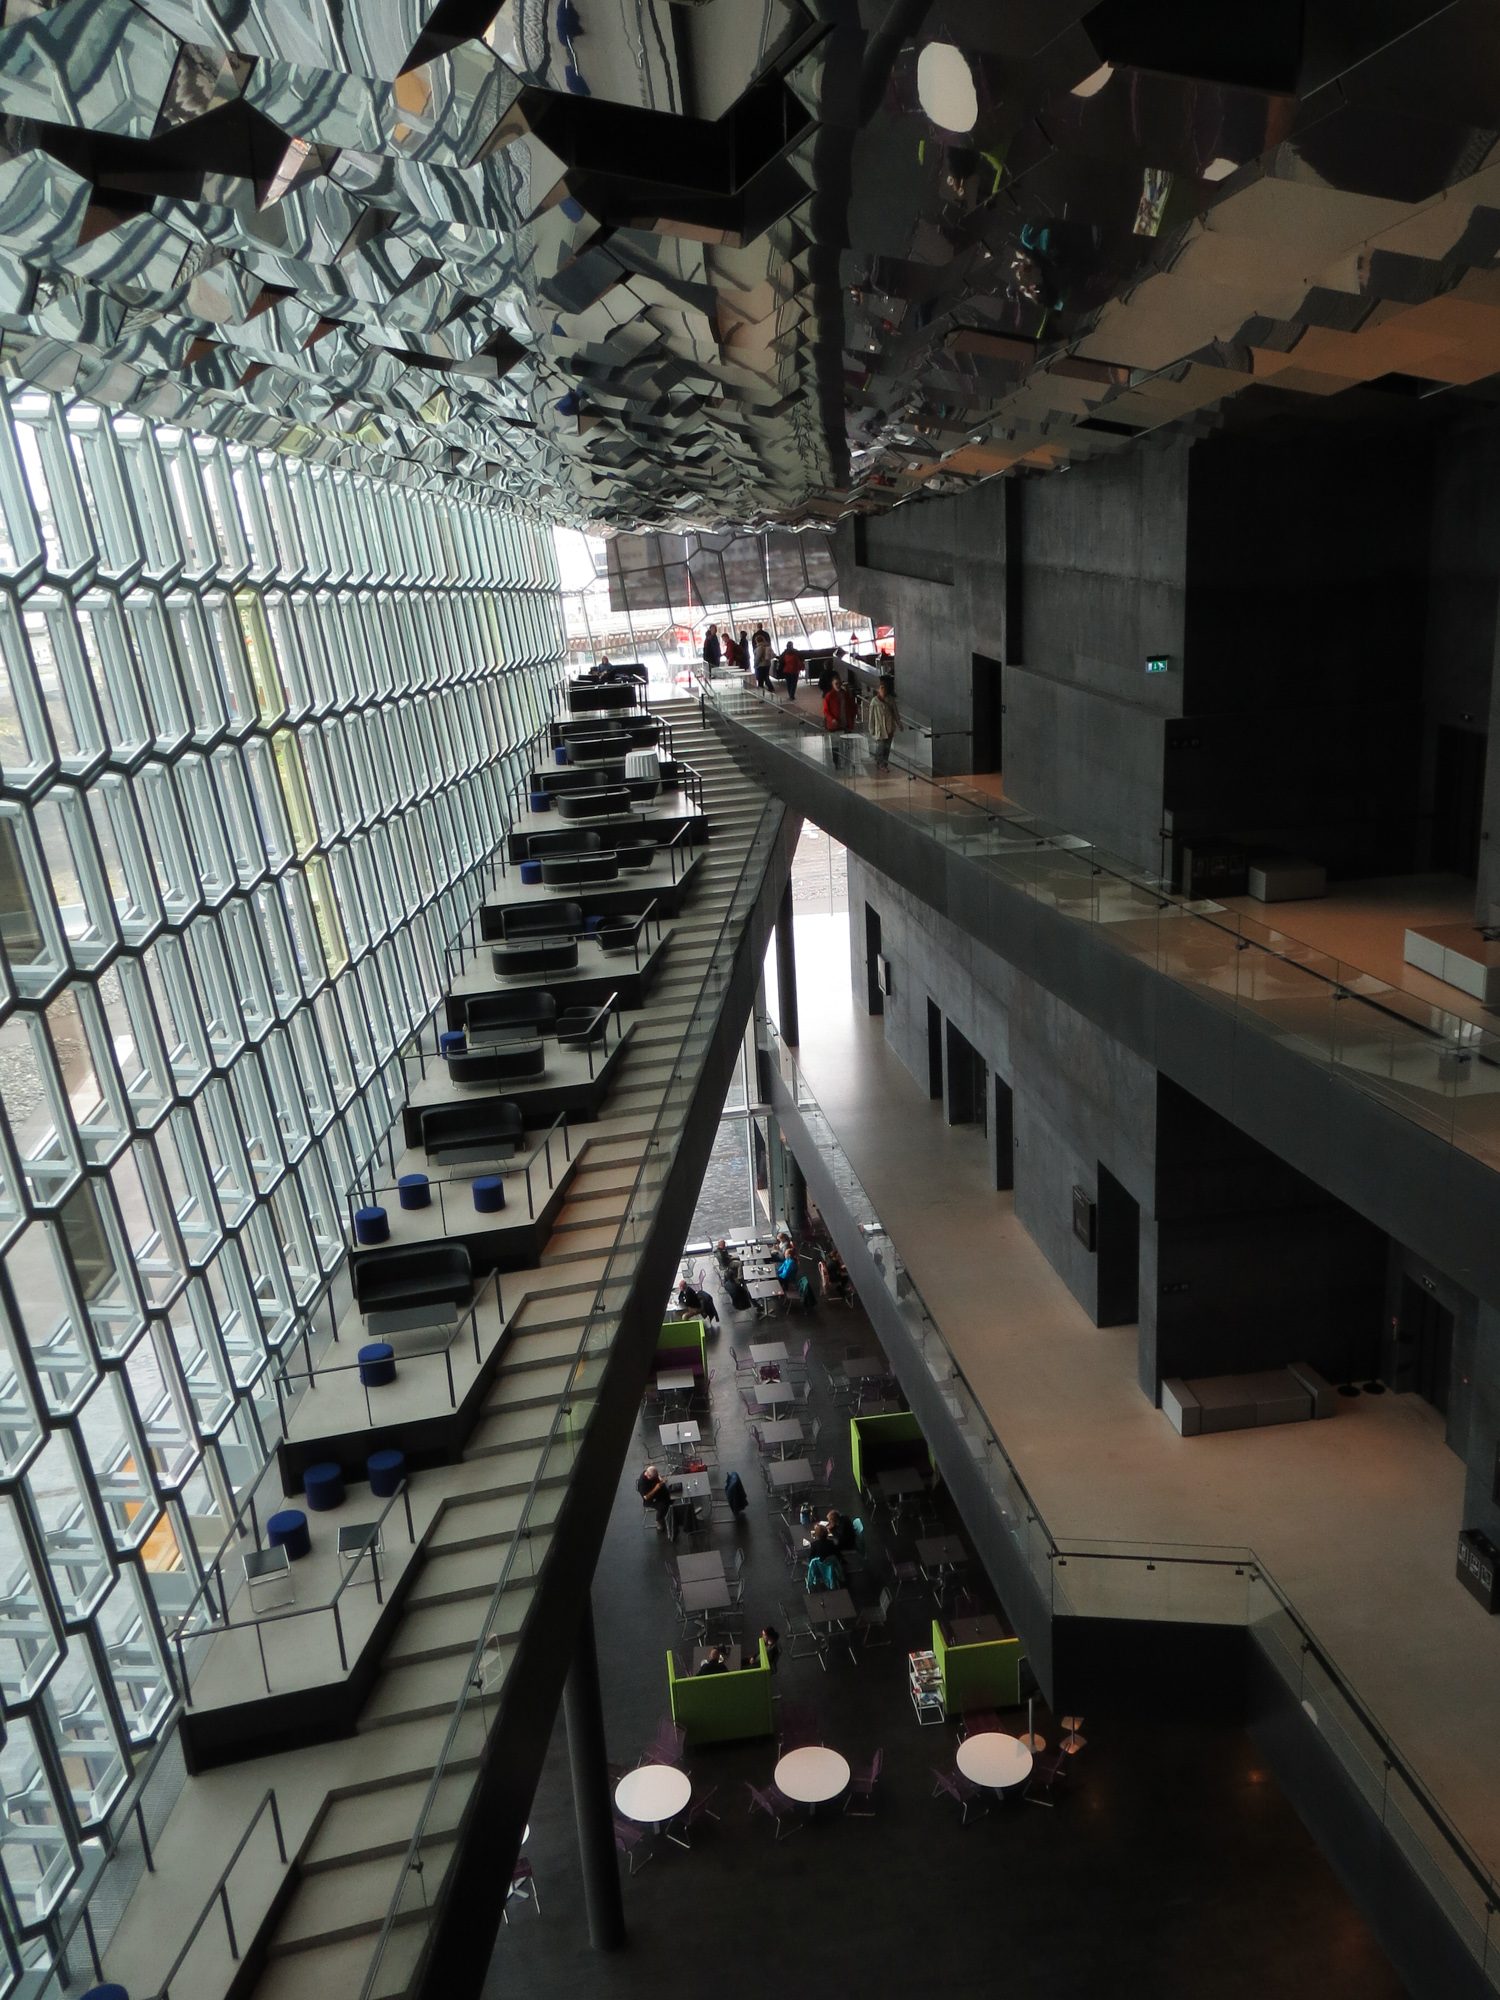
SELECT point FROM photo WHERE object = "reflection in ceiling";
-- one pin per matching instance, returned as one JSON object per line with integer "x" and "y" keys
{"x": 665, "y": 264}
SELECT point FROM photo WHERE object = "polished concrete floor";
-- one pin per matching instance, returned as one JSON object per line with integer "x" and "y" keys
{"x": 1374, "y": 1582}
{"x": 1169, "y": 1865}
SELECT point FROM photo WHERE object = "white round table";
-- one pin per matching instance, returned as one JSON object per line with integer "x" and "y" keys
{"x": 653, "y": 1794}
{"x": 994, "y": 1760}
{"x": 812, "y": 1775}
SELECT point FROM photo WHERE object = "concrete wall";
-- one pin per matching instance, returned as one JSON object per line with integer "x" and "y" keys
{"x": 1079, "y": 1098}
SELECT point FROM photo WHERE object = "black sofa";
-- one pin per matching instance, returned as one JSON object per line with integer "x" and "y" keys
{"x": 407, "y": 1275}
{"x": 497, "y": 1017}
{"x": 543, "y": 954}
{"x": 491, "y": 1126}
{"x": 500, "y": 1062}
{"x": 565, "y": 871}
{"x": 594, "y": 804}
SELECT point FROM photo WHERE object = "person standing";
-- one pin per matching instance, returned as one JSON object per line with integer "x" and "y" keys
{"x": 712, "y": 651}
{"x": 833, "y": 718}
{"x": 743, "y": 649}
{"x": 849, "y": 702}
{"x": 761, "y": 641}
{"x": 882, "y": 722}
{"x": 791, "y": 670}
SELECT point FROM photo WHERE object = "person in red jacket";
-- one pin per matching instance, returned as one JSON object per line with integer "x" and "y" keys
{"x": 791, "y": 670}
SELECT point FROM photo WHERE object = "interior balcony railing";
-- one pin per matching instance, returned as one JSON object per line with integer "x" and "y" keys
{"x": 1199, "y": 1583}
{"x": 1428, "y": 1064}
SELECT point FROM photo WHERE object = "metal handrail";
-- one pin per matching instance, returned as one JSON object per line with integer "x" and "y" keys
{"x": 180, "y": 1637}
{"x": 759, "y": 846}
{"x": 1448, "y": 1030}
{"x": 1079, "y": 1548}
{"x": 220, "y": 1892}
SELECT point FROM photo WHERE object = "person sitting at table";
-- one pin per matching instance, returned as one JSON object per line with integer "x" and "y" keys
{"x": 653, "y": 1491}
{"x": 714, "y": 1662}
{"x": 730, "y": 1267}
{"x": 840, "y": 1530}
{"x": 821, "y": 1547}
{"x": 835, "y": 1277}
{"x": 697, "y": 1301}
{"x": 786, "y": 1270}
{"x": 772, "y": 1640}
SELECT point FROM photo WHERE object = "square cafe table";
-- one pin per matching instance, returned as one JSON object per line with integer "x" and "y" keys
{"x": 765, "y": 1291}
{"x": 688, "y": 1485}
{"x": 774, "y": 1395}
{"x": 710, "y": 1593}
{"x": 829, "y": 1607}
{"x": 865, "y": 1367}
{"x": 900, "y": 1480}
{"x": 785, "y": 1431}
{"x": 941, "y": 1552}
{"x": 700, "y": 1569}
{"x": 676, "y": 1381}
{"x": 785, "y": 1473}
{"x": 674, "y": 1436}
{"x": 977, "y": 1631}
{"x": 768, "y": 1353}
{"x": 741, "y": 1235}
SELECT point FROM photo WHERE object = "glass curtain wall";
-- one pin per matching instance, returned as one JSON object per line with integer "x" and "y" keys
{"x": 258, "y": 718}
{"x": 651, "y": 598}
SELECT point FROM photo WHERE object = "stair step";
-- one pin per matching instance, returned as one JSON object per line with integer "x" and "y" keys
{"x": 423, "y": 1687}
{"x": 322, "y": 1971}
{"x": 371, "y": 1825}
{"x": 351, "y": 1901}
{"x": 434, "y": 1631}
{"x": 445, "y": 1579}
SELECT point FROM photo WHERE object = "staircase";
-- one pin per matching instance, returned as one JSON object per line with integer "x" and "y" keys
{"x": 353, "y": 1859}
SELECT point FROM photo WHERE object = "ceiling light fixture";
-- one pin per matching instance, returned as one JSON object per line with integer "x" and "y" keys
{"x": 945, "y": 87}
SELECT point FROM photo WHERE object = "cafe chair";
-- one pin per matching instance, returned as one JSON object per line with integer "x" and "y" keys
{"x": 808, "y": 1641}
{"x": 633, "y": 1842}
{"x": 737, "y": 1579}
{"x": 969, "y": 1798}
{"x": 780, "y": 1811}
{"x": 698, "y": 1808}
{"x": 873, "y": 1622}
{"x": 1045, "y": 1773}
{"x": 523, "y": 1886}
{"x": 797, "y": 1728}
{"x": 979, "y": 1722}
{"x": 860, "y": 1798}
{"x": 667, "y": 1746}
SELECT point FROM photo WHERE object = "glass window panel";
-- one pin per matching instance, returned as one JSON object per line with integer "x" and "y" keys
{"x": 81, "y": 1049}
{"x": 144, "y": 1205}
{"x": 124, "y": 857}
{"x": 133, "y": 1654}
{"x": 148, "y": 488}
{"x": 197, "y": 666}
{"x": 49, "y": 1316}
{"x": 102, "y": 478}
{"x": 26, "y": 750}
{"x": 152, "y": 640}
{"x": 71, "y": 1542}
{"x": 97, "y": 1246}
{"x": 52, "y": 480}
{"x": 93, "y": 1759}
{"x": 63, "y": 680}
{"x": 36, "y": 1109}
{"x": 36, "y": 1848}
{"x": 29, "y": 929}
{"x": 112, "y": 666}
{"x": 80, "y": 888}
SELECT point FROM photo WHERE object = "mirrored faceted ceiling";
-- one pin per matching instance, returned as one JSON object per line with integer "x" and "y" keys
{"x": 650, "y": 262}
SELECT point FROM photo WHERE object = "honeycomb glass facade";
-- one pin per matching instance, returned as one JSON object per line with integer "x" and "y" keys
{"x": 257, "y": 721}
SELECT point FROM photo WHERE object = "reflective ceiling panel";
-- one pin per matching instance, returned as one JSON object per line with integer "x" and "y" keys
{"x": 739, "y": 261}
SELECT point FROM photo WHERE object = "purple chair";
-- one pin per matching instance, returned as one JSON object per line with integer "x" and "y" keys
{"x": 522, "y": 1884}
{"x": 698, "y": 1808}
{"x": 799, "y": 1727}
{"x": 632, "y": 1842}
{"x": 969, "y": 1798}
{"x": 980, "y": 1722}
{"x": 667, "y": 1746}
{"x": 1044, "y": 1775}
{"x": 860, "y": 1799}
{"x": 780, "y": 1811}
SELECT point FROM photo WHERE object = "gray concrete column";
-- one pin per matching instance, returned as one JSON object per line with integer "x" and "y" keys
{"x": 592, "y": 1810}
{"x": 786, "y": 969}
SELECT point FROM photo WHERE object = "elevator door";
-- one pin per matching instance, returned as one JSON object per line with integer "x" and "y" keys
{"x": 1427, "y": 1334}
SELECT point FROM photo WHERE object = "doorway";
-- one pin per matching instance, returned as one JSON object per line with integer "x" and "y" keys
{"x": 874, "y": 990}
{"x": 1003, "y": 1124}
{"x": 934, "y": 1050}
{"x": 1458, "y": 800}
{"x": 1118, "y": 1242}
{"x": 968, "y": 1081}
{"x": 1427, "y": 1339}
{"x": 987, "y": 714}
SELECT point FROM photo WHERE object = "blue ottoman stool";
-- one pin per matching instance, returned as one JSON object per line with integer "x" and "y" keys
{"x": 377, "y": 1366}
{"x": 452, "y": 1042}
{"x": 489, "y": 1194}
{"x": 387, "y": 1469}
{"x": 371, "y": 1225}
{"x": 541, "y": 802}
{"x": 288, "y": 1530}
{"x": 559, "y": 753}
{"x": 323, "y": 1486}
{"x": 531, "y": 871}
{"x": 593, "y": 923}
{"x": 414, "y": 1191}
{"x": 106, "y": 1993}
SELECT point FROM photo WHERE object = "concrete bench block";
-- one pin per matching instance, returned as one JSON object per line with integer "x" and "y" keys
{"x": 1180, "y": 1406}
{"x": 1325, "y": 1398}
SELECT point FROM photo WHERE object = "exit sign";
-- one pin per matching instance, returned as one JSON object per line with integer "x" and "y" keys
{"x": 1158, "y": 663}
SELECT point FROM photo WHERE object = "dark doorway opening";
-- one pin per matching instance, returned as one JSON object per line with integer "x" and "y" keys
{"x": 1426, "y": 1345}
{"x": 1458, "y": 800}
{"x": 968, "y": 1081}
{"x": 1118, "y": 1239}
{"x": 934, "y": 1050}
{"x": 988, "y": 715}
{"x": 1005, "y": 1135}
{"x": 874, "y": 987}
